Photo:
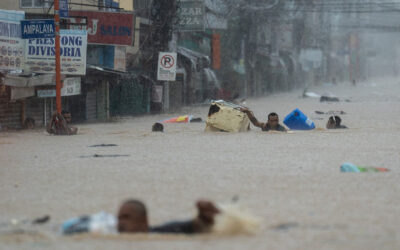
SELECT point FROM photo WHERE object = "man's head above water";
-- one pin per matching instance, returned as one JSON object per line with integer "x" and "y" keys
{"x": 273, "y": 120}
{"x": 66, "y": 115}
{"x": 132, "y": 217}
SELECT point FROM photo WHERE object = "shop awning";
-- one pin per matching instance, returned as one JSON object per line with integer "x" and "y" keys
{"x": 104, "y": 69}
{"x": 22, "y": 81}
{"x": 193, "y": 56}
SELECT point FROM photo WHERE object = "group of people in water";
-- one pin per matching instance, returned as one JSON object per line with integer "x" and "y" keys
{"x": 132, "y": 215}
{"x": 59, "y": 123}
{"x": 272, "y": 124}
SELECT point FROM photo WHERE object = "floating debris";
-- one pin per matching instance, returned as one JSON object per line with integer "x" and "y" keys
{"x": 285, "y": 226}
{"x": 100, "y": 156}
{"x": 103, "y": 145}
{"x": 41, "y": 220}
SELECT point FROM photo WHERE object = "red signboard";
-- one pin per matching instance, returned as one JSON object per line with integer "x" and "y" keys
{"x": 105, "y": 27}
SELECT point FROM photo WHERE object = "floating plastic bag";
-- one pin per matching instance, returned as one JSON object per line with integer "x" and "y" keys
{"x": 349, "y": 167}
{"x": 97, "y": 223}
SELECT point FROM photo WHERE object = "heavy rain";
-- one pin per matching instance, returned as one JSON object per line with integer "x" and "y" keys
{"x": 197, "y": 124}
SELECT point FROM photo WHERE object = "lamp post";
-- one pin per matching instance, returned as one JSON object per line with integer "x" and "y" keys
{"x": 58, "y": 64}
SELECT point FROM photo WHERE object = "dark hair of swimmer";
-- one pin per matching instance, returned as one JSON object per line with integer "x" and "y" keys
{"x": 272, "y": 115}
{"x": 157, "y": 127}
{"x": 132, "y": 217}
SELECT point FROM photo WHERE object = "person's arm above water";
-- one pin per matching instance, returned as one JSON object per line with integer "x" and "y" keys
{"x": 282, "y": 128}
{"x": 175, "y": 227}
{"x": 51, "y": 125}
{"x": 200, "y": 224}
{"x": 252, "y": 118}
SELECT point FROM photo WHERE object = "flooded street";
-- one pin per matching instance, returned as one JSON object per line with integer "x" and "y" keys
{"x": 292, "y": 181}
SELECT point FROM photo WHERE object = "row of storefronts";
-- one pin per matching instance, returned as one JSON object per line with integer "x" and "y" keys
{"x": 104, "y": 69}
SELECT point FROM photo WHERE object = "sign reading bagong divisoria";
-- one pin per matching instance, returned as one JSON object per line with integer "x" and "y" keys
{"x": 40, "y": 53}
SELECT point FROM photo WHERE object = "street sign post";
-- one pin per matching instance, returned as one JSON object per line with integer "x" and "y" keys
{"x": 37, "y": 29}
{"x": 166, "y": 66}
{"x": 58, "y": 62}
{"x": 63, "y": 8}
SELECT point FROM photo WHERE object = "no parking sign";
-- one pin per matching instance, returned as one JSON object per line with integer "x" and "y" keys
{"x": 166, "y": 66}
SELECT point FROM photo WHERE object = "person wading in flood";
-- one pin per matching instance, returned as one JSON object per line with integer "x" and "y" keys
{"x": 271, "y": 125}
{"x": 132, "y": 218}
{"x": 334, "y": 122}
{"x": 59, "y": 124}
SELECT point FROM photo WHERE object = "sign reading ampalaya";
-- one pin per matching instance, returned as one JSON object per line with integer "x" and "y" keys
{"x": 37, "y": 28}
{"x": 191, "y": 15}
{"x": 11, "y": 44}
{"x": 106, "y": 27}
{"x": 40, "y": 53}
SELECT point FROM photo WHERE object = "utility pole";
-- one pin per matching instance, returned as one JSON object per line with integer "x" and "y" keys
{"x": 328, "y": 41}
{"x": 57, "y": 45}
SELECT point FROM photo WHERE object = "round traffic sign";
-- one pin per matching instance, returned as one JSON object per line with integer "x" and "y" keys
{"x": 167, "y": 61}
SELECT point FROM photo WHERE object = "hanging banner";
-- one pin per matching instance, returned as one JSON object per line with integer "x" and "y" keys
{"x": 120, "y": 58}
{"x": 105, "y": 27}
{"x": 40, "y": 53}
{"x": 11, "y": 43}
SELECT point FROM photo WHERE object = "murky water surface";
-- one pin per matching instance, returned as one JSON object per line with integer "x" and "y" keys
{"x": 291, "y": 181}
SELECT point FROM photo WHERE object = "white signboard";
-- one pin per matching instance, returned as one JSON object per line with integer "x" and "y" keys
{"x": 310, "y": 58}
{"x": 285, "y": 35}
{"x": 11, "y": 43}
{"x": 40, "y": 53}
{"x": 72, "y": 86}
{"x": 120, "y": 58}
{"x": 166, "y": 66}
